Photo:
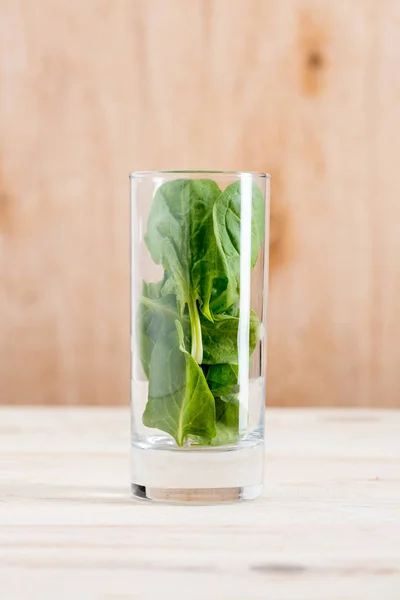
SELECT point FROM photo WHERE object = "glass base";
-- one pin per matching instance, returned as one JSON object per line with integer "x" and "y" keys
{"x": 196, "y": 495}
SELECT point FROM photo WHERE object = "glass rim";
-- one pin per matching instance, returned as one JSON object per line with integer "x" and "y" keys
{"x": 135, "y": 174}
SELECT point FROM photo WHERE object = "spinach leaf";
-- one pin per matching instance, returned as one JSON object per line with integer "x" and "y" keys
{"x": 225, "y": 291}
{"x": 227, "y": 415}
{"x": 194, "y": 233}
{"x": 180, "y": 401}
{"x": 227, "y": 214}
{"x": 223, "y": 379}
{"x": 227, "y": 223}
{"x": 155, "y": 319}
{"x": 220, "y": 338}
{"x": 223, "y": 383}
{"x": 180, "y": 237}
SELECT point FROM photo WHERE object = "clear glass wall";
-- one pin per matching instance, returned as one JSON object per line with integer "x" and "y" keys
{"x": 199, "y": 288}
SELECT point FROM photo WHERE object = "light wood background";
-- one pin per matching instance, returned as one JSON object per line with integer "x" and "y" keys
{"x": 308, "y": 90}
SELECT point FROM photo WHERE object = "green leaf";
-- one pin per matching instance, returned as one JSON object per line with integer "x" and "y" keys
{"x": 194, "y": 233}
{"x": 180, "y": 401}
{"x": 220, "y": 338}
{"x": 223, "y": 382}
{"x": 223, "y": 379}
{"x": 227, "y": 415}
{"x": 225, "y": 291}
{"x": 155, "y": 318}
{"x": 227, "y": 218}
{"x": 180, "y": 237}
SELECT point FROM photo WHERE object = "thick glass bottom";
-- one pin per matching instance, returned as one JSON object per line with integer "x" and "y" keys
{"x": 196, "y": 495}
{"x": 162, "y": 471}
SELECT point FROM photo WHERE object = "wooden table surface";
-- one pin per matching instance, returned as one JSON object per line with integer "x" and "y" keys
{"x": 326, "y": 528}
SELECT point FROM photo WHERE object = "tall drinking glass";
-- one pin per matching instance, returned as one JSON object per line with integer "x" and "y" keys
{"x": 199, "y": 277}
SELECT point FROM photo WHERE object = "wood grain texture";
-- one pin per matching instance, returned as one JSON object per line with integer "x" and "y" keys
{"x": 308, "y": 90}
{"x": 328, "y": 524}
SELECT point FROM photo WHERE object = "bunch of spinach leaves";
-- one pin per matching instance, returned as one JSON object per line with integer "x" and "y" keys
{"x": 187, "y": 324}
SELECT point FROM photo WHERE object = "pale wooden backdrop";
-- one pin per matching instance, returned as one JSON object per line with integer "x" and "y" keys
{"x": 308, "y": 90}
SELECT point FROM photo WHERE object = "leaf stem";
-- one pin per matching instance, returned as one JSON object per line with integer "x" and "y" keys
{"x": 195, "y": 329}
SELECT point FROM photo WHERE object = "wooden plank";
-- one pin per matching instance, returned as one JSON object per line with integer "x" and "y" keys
{"x": 321, "y": 304}
{"x": 305, "y": 89}
{"x": 329, "y": 512}
{"x": 65, "y": 154}
{"x": 385, "y": 185}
